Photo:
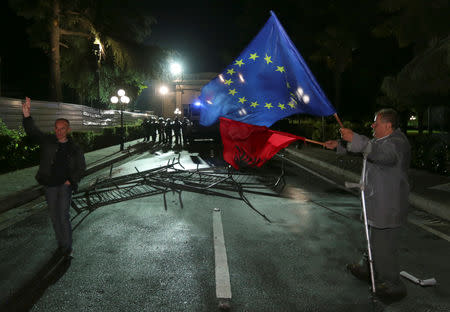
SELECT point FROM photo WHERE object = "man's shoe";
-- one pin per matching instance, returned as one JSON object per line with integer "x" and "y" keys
{"x": 388, "y": 292}
{"x": 66, "y": 252}
{"x": 359, "y": 272}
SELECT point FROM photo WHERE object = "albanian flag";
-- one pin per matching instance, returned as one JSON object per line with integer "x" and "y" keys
{"x": 248, "y": 145}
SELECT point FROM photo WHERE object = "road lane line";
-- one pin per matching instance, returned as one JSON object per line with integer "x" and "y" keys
{"x": 316, "y": 174}
{"x": 429, "y": 229}
{"x": 223, "y": 287}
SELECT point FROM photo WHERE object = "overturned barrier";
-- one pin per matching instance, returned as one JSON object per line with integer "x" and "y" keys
{"x": 216, "y": 181}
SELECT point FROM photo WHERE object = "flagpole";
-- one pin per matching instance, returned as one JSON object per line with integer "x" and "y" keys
{"x": 315, "y": 142}
{"x": 338, "y": 120}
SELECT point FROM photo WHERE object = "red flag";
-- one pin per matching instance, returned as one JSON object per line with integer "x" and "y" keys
{"x": 249, "y": 145}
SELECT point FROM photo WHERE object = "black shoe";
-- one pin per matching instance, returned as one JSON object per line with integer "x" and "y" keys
{"x": 388, "y": 292}
{"x": 359, "y": 272}
{"x": 65, "y": 252}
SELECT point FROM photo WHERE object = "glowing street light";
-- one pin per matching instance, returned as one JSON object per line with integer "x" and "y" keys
{"x": 176, "y": 68}
{"x": 125, "y": 99}
{"x": 163, "y": 90}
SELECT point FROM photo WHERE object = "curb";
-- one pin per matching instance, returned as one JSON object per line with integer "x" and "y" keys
{"x": 20, "y": 198}
{"x": 416, "y": 200}
{"x": 430, "y": 206}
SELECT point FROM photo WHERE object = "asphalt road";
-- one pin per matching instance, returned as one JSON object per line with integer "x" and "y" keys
{"x": 137, "y": 256}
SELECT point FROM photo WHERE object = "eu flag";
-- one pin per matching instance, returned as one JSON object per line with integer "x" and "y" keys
{"x": 267, "y": 82}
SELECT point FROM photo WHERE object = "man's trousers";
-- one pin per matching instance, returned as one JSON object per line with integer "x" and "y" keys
{"x": 58, "y": 201}
{"x": 385, "y": 244}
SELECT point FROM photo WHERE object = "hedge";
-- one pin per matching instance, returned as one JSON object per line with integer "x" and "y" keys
{"x": 429, "y": 152}
{"x": 17, "y": 151}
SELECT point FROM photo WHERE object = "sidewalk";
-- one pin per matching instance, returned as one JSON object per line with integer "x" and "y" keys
{"x": 20, "y": 186}
{"x": 429, "y": 192}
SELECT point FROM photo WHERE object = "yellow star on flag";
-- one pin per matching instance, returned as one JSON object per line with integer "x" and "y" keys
{"x": 232, "y": 91}
{"x": 280, "y": 69}
{"x": 268, "y": 59}
{"x": 239, "y": 63}
{"x": 268, "y": 105}
{"x": 281, "y": 106}
{"x": 254, "y": 104}
{"x": 291, "y": 104}
{"x": 228, "y": 82}
{"x": 253, "y": 56}
{"x": 242, "y": 100}
{"x": 231, "y": 71}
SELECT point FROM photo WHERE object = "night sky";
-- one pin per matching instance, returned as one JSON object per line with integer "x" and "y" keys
{"x": 205, "y": 33}
{"x": 201, "y": 32}
{"x": 209, "y": 35}
{"x": 22, "y": 67}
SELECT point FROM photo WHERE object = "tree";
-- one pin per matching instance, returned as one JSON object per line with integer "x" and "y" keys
{"x": 74, "y": 25}
{"x": 422, "y": 82}
{"x": 424, "y": 25}
{"x": 47, "y": 19}
{"x": 122, "y": 64}
{"x": 347, "y": 30}
{"x": 414, "y": 22}
{"x": 335, "y": 49}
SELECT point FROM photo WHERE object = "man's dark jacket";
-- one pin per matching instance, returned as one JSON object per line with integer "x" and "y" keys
{"x": 49, "y": 146}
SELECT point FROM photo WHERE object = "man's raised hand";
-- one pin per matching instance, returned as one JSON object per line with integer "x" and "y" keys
{"x": 26, "y": 107}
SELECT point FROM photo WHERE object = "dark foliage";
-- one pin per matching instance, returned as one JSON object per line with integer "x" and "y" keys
{"x": 431, "y": 153}
{"x": 17, "y": 151}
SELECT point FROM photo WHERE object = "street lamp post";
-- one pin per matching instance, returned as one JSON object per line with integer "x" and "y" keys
{"x": 123, "y": 100}
{"x": 163, "y": 90}
{"x": 98, "y": 51}
{"x": 176, "y": 69}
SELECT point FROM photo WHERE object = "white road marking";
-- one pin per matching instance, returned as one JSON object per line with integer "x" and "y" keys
{"x": 317, "y": 174}
{"x": 223, "y": 287}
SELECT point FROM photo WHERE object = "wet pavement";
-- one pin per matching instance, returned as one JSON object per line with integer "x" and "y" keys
{"x": 137, "y": 256}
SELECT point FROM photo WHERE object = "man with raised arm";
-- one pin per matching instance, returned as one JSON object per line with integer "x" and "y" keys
{"x": 386, "y": 195}
{"x": 61, "y": 168}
